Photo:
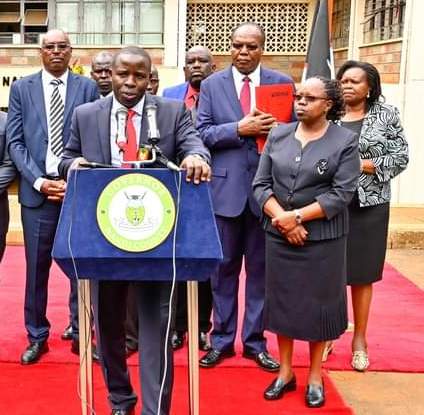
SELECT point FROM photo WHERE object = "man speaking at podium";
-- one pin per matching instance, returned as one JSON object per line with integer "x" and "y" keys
{"x": 93, "y": 138}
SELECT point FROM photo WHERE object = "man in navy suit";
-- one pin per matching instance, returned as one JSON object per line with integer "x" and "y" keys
{"x": 228, "y": 123}
{"x": 93, "y": 138}
{"x": 38, "y": 126}
{"x": 7, "y": 174}
{"x": 198, "y": 66}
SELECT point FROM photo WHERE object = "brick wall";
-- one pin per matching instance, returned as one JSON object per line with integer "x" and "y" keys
{"x": 340, "y": 56}
{"x": 386, "y": 58}
{"x": 30, "y": 56}
{"x": 291, "y": 65}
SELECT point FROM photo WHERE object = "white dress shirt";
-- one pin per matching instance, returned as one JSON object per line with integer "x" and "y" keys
{"x": 114, "y": 149}
{"x": 52, "y": 161}
{"x": 255, "y": 80}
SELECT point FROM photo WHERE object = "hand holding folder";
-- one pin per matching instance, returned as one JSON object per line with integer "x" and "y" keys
{"x": 277, "y": 100}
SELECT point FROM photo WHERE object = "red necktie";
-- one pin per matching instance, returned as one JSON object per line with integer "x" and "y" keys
{"x": 130, "y": 150}
{"x": 245, "y": 96}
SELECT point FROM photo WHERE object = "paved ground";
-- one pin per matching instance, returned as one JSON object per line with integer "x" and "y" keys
{"x": 377, "y": 393}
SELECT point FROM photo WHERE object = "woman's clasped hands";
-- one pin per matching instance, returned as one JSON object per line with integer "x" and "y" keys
{"x": 286, "y": 224}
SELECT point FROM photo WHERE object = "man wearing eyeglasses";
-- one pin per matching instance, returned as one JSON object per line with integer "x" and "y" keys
{"x": 228, "y": 123}
{"x": 38, "y": 127}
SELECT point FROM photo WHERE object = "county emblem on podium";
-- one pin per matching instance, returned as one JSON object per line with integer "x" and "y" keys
{"x": 135, "y": 212}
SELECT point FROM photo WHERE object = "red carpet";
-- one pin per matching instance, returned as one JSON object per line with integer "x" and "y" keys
{"x": 52, "y": 389}
{"x": 396, "y": 327}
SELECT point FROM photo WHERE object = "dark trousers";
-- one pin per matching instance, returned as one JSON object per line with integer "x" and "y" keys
{"x": 39, "y": 226}
{"x": 110, "y": 308}
{"x": 241, "y": 237}
{"x": 131, "y": 321}
{"x": 4, "y": 221}
{"x": 205, "y": 307}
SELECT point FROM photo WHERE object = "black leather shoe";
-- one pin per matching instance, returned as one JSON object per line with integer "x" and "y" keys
{"x": 213, "y": 357}
{"x": 130, "y": 349}
{"x": 264, "y": 360}
{"x": 76, "y": 350}
{"x": 315, "y": 396}
{"x": 204, "y": 344}
{"x": 277, "y": 388}
{"x": 33, "y": 352}
{"x": 177, "y": 340}
{"x": 123, "y": 411}
{"x": 67, "y": 333}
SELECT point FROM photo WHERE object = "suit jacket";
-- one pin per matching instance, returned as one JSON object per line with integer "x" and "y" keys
{"x": 325, "y": 171}
{"x": 234, "y": 158}
{"x": 176, "y": 92}
{"x": 27, "y": 134}
{"x": 90, "y": 132}
{"x": 7, "y": 169}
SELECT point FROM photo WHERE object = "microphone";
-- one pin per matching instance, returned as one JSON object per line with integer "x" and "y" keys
{"x": 154, "y": 135}
{"x": 121, "y": 121}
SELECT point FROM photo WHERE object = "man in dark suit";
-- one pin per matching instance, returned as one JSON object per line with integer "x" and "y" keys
{"x": 228, "y": 123}
{"x": 101, "y": 72}
{"x": 198, "y": 66}
{"x": 7, "y": 174}
{"x": 153, "y": 86}
{"x": 38, "y": 125}
{"x": 94, "y": 138}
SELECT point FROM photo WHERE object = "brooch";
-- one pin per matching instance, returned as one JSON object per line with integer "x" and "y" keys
{"x": 322, "y": 166}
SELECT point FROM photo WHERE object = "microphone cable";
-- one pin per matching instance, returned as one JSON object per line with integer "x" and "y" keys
{"x": 171, "y": 297}
{"x": 74, "y": 265}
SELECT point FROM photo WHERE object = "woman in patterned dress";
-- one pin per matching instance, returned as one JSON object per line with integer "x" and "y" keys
{"x": 384, "y": 154}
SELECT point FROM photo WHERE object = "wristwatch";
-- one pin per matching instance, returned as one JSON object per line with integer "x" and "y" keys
{"x": 200, "y": 157}
{"x": 298, "y": 216}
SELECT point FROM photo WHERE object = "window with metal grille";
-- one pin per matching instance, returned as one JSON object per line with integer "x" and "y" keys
{"x": 341, "y": 22}
{"x": 111, "y": 22}
{"x": 384, "y": 20}
{"x": 285, "y": 24}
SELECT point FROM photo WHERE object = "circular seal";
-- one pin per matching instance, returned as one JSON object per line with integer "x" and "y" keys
{"x": 135, "y": 212}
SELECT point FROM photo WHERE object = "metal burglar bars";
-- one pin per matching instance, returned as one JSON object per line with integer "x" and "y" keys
{"x": 341, "y": 22}
{"x": 285, "y": 24}
{"x": 111, "y": 22}
{"x": 384, "y": 20}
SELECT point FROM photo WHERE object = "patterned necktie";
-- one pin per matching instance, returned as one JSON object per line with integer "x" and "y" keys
{"x": 245, "y": 96}
{"x": 56, "y": 119}
{"x": 130, "y": 150}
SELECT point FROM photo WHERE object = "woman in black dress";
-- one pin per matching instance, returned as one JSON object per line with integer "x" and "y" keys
{"x": 307, "y": 176}
{"x": 384, "y": 154}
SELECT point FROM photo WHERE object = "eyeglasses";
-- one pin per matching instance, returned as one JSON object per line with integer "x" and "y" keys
{"x": 61, "y": 47}
{"x": 308, "y": 98}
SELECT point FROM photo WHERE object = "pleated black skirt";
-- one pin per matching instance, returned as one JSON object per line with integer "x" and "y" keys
{"x": 366, "y": 242}
{"x": 305, "y": 294}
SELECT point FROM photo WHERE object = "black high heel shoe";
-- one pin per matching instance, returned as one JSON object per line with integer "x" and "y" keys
{"x": 277, "y": 388}
{"x": 315, "y": 396}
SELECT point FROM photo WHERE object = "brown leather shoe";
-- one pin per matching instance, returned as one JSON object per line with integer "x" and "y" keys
{"x": 33, "y": 352}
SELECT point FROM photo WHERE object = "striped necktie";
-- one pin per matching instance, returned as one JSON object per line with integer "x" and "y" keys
{"x": 56, "y": 119}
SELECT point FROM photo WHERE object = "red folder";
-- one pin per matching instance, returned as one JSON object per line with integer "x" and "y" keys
{"x": 277, "y": 100}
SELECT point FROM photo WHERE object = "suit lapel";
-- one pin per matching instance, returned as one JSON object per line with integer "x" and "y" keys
{"x": 264, "y": 77}
{"x": 72, "y": 89}
{"x": 230, "y": 90}
{"x": 103, "y": 127}
{"x": 144, "y": 130}
{"x": 36, "y": 91}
